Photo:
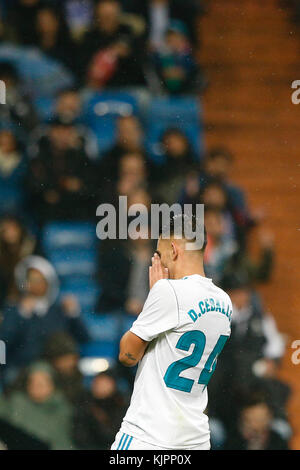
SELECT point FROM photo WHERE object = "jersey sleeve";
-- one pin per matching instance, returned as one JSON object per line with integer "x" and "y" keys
{"x": 160, "y": 312}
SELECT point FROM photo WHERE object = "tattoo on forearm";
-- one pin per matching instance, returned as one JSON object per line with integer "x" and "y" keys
{"x": 130, "y": 356}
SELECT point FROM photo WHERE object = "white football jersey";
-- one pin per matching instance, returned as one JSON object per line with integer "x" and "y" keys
{"x": 187, "y": 322}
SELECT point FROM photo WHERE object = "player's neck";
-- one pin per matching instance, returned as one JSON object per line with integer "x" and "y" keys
{"x": 189, "y": 270}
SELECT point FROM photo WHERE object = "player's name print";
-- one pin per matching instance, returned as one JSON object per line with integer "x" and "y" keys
{"x": 210, "y": 305}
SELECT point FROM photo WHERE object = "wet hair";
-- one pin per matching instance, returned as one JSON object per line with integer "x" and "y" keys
{"x": 188, "y": 221}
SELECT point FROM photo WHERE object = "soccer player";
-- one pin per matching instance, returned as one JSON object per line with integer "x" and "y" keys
{"x": 176, "y": 340}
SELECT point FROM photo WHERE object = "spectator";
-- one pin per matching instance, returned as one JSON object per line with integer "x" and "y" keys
{"x": 214, "y": 195}
{"x": 18, "y": 112}
{"x": 111, "y": 53}
{"x": 15, "y": 244}
{"x": 79, "y": 15}
{"x": 40, "y": 409}
{"x": 13, "y": 168}
{"x": 124, "y": 268}
{"x": 52, "y": 37}
{"x": 174, "y": 61}
{"x": 22, "y": 16}
{"x": 219, "y": 248}
{"x": 216, "y": 167}
{"x": 258, "y": 269}
{"x": 168, "y": 177}
{"x": 129, "y": 139}
{"x": 254, "y": 431}
{"x": 28, "y": 323}
{"x": 61, "y": 180}
{"x": 97, "y": 420}
{"x": 254, "y": 336}
{"x": 132, "y": 173}
{"x": 67, "y": 110}
{"x": 62, "y": 353}
{"x": 158, "y": 14}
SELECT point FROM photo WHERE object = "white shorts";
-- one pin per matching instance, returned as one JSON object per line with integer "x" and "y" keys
{"x": 125, "y": 442}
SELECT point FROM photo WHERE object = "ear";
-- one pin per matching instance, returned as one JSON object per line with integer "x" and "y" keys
{"x": 174, "y": 251}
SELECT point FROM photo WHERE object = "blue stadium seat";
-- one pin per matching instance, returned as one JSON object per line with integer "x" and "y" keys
{"x": 126, "y": 322}
{"x": 104, "y": 327}
{"x": 101, "y": 112}
{"x": 105, "y": 349}
{"x": 105, "y": 332}
{"x": 72, "y": 235}
{"x": 86, "y": 291}
{"x": 77, "y": 262}
{"x": 183, "y": 113}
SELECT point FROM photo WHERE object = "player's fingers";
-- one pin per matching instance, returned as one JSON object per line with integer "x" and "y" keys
{"x": 150, "y": 277}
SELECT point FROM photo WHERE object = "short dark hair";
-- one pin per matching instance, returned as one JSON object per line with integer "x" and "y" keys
{"x": 192, "y": 222}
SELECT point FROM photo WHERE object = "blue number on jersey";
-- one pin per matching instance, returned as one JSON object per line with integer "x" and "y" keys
{"x": 172, "y": 378}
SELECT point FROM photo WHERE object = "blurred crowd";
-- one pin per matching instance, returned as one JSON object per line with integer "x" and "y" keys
{"x": 54, "y": 169}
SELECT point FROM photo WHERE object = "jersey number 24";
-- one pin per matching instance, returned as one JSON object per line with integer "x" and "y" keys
{"x": 172, "y": 376}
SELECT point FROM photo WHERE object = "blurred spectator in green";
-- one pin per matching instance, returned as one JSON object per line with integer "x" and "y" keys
{"x": 175, "y": 63}
{"x": 40, "y": 409}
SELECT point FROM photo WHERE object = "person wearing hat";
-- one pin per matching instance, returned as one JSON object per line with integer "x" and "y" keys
{"x": 174, "y": 62}
{"x": 29, "y": 322}
{"x": 62, "y": 353}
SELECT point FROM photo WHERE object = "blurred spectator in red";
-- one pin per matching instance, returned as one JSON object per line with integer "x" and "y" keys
{"x": 111, "y": 54}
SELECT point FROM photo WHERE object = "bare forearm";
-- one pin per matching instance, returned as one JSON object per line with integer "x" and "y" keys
{"x": 132, "y": 349}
